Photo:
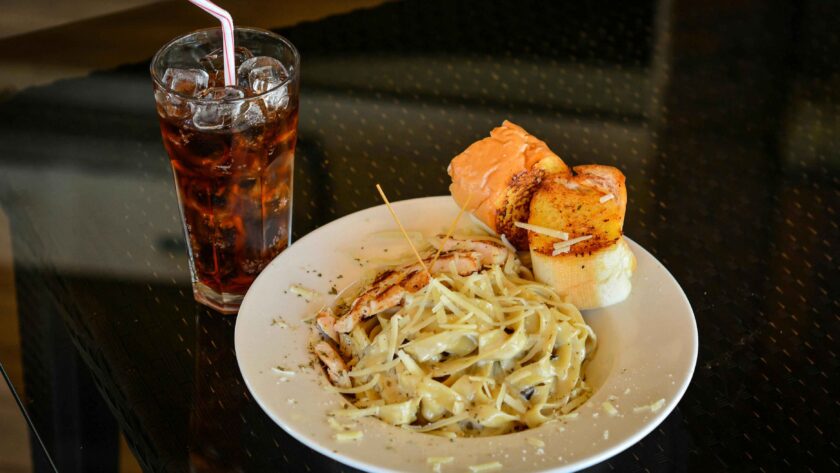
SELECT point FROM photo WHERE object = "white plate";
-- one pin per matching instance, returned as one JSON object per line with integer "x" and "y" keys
{"x": 647, "y": 349}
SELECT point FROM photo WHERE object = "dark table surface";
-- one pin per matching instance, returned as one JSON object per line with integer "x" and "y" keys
{"x": 725, "y": 117}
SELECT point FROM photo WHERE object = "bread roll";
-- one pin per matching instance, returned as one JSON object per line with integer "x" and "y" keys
{"x": 513, "y": 177}
{"x": 499, "y": 175}
{"x": 589, "y": 203}
{"x": 589, "y": 280}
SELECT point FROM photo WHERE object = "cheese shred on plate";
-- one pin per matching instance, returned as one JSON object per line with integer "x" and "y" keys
{"x": 304, "y": 292}
{"x": 536, "y": 442}
{"x": 609, "y": 408}
{"x": 284, "y": 374}
{"x": 652, "y": 407}
{"x": 490, "y": 466}
{"x": 436, "y": 462}
{"x": 350, "y": 436}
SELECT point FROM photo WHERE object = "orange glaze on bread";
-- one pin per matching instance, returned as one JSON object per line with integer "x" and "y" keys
{"x": 500, "y": 173}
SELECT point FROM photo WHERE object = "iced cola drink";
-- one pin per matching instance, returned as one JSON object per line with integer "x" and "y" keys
{"x": 232, "y": 154}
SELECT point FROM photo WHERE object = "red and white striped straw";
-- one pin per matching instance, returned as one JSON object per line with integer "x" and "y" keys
{"x": 227, "y": 37}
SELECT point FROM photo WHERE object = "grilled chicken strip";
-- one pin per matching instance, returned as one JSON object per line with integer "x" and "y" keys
{"x": 335, "y": 367}
{"x": 388, "y": 290}
{"x": 326, "y": 323}
{"x": 490, "y": 251}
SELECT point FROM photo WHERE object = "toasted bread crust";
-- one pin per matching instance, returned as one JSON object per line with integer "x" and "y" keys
{"x": 572, "y": 203}
{"x": 606, "y": 179}
{"x": 516, "y": 206}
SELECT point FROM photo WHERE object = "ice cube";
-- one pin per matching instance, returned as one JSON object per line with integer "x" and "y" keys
{"x": 217, "y": 107}
{"x": 266, "y": 75}
{"x": 262, "y": 73}
{"x": 215, "y": 61}
{"x": 251, "y": 116}
{"x": 185, "y": 81}
{"x": 171, "y": 105}
{"x": 179, "y": 83}
{"x": 277, "y": 99}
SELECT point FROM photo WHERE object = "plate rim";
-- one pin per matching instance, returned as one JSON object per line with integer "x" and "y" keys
{"x": 650, "y": 424}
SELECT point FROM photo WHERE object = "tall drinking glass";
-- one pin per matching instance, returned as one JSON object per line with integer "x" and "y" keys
{"x": 232, "y": 153}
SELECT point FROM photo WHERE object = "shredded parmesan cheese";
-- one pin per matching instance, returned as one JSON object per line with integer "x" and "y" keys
{"x": 490, "y": 466}
{"x": 282, "y": 372}
{"x": 501, "y": 396}
{"x": 536, "y": 442}
{"x": 652, "y": 407}
{"x": 609, "y": 408}
{"x": 543, "y": 230}
{"x": 304, "y": 292}
{"x": 657, "y": 405}
{"x": 558, "y": 251}
{"x": 606, "y": 198}
{"x": 514, "y": 403}
{"x": 606, "y": 435}
{"x": 436, "y": 462}
{"x": 565, "y": 244}
{"x": 350, "y": 436}
{"x": 335, "y": 425}
{"x": 441, "y": 423}
{"x": 409, "y": 363}
{"x": 508, "y": 244}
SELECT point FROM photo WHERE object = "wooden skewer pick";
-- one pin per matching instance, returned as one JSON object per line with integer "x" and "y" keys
{"x": 405, "y": 234}
{"x": 452, "y": 229}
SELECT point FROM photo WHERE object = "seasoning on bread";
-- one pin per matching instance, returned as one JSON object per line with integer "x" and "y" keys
{"x": 571, "y": 220}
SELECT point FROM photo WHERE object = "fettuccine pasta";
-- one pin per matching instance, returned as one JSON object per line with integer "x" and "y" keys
{"x": 489, "y": 353}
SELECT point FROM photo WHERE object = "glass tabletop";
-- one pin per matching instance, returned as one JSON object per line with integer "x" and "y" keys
{"x": 725, "y": 119}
